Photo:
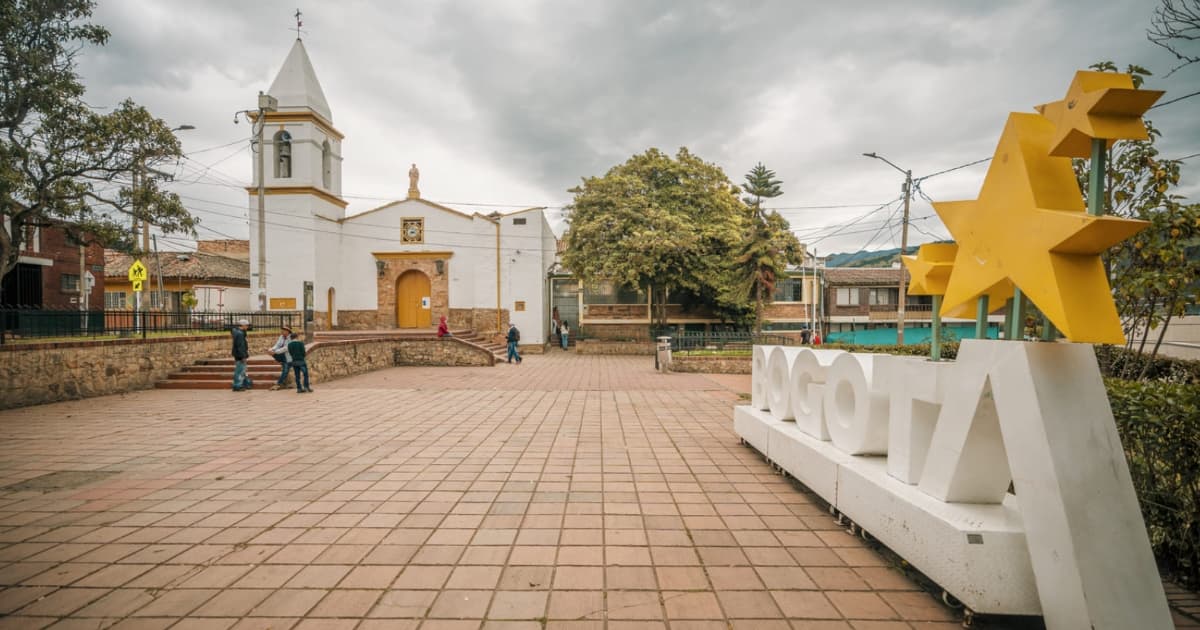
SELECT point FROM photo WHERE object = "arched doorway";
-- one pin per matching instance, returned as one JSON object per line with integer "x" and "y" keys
{"x": 412, "y": 295}
{"x": 332, "y": 309}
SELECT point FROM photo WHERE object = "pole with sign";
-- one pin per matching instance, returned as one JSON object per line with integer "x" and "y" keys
{"x": 137, "y": 275}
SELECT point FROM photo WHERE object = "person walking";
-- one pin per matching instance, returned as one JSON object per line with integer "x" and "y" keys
{"x": 295, "y": 349}
{"x": 279, "y": 353}
{"x": 240, "y": 352}
{"x": 512, "y": 338}
{"x": 565, "y": 331}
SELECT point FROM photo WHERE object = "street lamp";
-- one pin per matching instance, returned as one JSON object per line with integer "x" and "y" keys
{"x": 903, "y": 241}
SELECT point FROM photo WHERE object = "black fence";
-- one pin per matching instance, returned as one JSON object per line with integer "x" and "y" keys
{"x": 18, "y": 323}
{"x": 727, "y": 340}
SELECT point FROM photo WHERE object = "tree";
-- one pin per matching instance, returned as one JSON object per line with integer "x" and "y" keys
{"x": 768, "y": 247}
{"x": 1175, "y": 25}
{"x": 1153, "y": 272}
{"x": 63, "y": 164}
{"x": 670, "y": 225}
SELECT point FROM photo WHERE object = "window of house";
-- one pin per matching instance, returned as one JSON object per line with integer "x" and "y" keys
{"x": 883, "y": 296}
{"x": 789, "y": 290}
{"x": 114, "y": 299}
{"x": 69, "y": 283}
{"x": 608, "y": 293}
{"x": 326, "y": 165}
{"x": 847, "y": 296}
{"x": 283, "y": 155}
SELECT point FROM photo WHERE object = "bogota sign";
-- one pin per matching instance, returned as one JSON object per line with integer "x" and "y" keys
{"x": 922, "y": 454}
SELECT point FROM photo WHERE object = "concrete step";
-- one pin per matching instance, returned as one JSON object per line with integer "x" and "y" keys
{"x": 221, "y": 376}
{"x": 213, "y": 384}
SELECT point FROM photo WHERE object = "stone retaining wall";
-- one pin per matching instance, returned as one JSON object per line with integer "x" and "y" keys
{"x": 329, "y": 360}
{"x": 597, "y": 346}
{"x": 32, "y": 374}
{"x": 710, "y": 364}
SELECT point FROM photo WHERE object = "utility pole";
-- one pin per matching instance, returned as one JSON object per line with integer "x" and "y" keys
{"x": 158, "y": 263}
{"x": 903, "y": 250}
{"x": 903, "y": 243}
{"x": 266, "y": 103}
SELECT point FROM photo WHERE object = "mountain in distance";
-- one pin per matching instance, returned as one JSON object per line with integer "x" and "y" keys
{"x": 877, "y": 258}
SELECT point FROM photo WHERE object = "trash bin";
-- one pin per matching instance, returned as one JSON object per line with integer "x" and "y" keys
{"x": 662, "y": 357}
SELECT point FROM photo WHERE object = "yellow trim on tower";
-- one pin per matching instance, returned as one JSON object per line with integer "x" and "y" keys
{"x": 300, "y": 190}
{"x": 312, "y": 117}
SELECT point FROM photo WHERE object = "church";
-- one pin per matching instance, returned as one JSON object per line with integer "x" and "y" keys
{"x": 402, "y": 265}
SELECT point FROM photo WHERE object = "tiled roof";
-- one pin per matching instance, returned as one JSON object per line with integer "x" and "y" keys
{"x": 862, "y": 276}
{"x": 188, "y": 265}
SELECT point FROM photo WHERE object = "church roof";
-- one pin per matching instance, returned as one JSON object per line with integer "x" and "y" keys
{"x": 296, "y": 86}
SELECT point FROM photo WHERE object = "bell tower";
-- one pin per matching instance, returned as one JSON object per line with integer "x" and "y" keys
{"x": 302, "y": 180}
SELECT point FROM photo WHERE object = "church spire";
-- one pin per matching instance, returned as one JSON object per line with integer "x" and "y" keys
{"x": 296, "y": 86}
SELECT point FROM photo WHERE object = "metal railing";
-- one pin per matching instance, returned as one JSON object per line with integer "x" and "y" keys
{"x": 31, "y": 323}
{"x": 728, "y": 340}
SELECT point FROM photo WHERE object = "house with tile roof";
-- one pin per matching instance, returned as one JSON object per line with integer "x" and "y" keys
{"x": 218, "y": 281}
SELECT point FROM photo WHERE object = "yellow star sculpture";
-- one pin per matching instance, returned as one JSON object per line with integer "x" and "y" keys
{"x": 930, "y": 271}
{"x": 1098, "y": 105}
{"x": 1029, "y": 227}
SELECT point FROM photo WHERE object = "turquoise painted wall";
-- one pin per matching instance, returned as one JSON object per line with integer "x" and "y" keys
{"x": 887, "y": 336}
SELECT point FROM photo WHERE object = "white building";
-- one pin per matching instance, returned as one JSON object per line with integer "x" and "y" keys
{"x": 401, "y": 265}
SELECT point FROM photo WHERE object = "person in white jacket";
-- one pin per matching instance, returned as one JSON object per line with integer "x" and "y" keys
{"x": 279, "y": 353}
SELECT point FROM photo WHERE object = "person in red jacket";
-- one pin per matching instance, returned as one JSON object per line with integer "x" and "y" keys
{"x": 816, "y": 338}
{"x": 443, "y": 328}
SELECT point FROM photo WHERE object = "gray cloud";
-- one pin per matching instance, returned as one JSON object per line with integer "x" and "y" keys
{"x": 512, "y": 102}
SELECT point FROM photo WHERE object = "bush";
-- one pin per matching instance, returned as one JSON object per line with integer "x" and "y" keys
{"x": 1119, "y": 362}
{"x": 1159, "y": 425}
{"x": 949, "y": 350}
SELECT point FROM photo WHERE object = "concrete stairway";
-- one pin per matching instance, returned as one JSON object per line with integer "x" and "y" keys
{"x": 218, "y": 374}
{"x": 499, "y": 350}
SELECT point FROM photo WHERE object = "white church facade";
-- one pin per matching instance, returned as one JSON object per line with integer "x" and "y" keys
{"x": 402, "y": 265}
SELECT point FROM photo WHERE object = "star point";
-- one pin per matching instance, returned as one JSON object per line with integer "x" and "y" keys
{"x": 1101, "y": 105}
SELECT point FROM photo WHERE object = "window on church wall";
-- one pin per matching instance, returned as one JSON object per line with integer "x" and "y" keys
{"x": 283, "y": 155}
{"x": 326, "y": 165}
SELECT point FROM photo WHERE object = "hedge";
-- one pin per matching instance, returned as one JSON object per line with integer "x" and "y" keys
{"x": 1119, "y": 362}
{"x": 1159, "y": 424}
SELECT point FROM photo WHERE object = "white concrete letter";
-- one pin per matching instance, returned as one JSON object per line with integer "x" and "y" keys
{"x": 856, "y": 403}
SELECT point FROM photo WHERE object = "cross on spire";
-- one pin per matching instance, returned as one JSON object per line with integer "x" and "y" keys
{"x": 298, "y": 23}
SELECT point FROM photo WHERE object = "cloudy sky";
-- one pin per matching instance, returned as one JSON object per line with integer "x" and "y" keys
{"x": 505, "y": 104}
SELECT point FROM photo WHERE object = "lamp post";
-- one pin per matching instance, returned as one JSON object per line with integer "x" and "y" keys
{"x": 903, "y": 242}
{"x": 266, "y": 103}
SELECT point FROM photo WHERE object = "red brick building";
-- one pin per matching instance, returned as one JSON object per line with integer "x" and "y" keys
{"x": 48, "y": 275}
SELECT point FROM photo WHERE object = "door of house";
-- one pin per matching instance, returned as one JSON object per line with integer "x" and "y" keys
{"x": 412, "y": 300}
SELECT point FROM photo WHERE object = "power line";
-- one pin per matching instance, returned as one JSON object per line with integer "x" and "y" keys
{"x": 1175, "y": 100}
{"x": 961, "y": 166}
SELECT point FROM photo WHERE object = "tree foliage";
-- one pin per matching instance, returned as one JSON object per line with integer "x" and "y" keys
{"x": 62, "y": 163}
{"x": 1175, "y": 26}
{"x": 667, "y": 224}
{"x": 1154, "y": 273}
{"x": 768, "y": 246}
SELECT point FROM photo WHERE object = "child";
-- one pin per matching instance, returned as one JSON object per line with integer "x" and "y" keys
{"x": 295, "y": 350}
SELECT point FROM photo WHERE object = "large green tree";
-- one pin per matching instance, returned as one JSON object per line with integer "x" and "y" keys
{"x": 668, "y": 224}
{"x": 63, "y": 164}
{"x": 1154, "y": 273}
{"x": 768, "y": 246}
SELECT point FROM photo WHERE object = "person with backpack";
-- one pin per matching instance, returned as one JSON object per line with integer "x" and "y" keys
{"x": 512, "y": 338}
{"x": 295, "y": 350}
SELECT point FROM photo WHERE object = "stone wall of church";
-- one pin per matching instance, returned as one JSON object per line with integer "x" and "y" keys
{"x": 329, "y": 360}
{"x": 481, "y": 320}
{"x": 360, "y": 320}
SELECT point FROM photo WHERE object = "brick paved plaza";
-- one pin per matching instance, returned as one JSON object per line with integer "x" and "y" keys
{"x": 567, "y": 492}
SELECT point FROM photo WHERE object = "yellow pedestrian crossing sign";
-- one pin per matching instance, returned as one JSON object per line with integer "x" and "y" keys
{"x": 137, "y": 271}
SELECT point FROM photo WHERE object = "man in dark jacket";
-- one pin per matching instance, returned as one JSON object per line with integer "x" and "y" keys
{"x": 512, "y": 338}
{"x": 241, "y": 352}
